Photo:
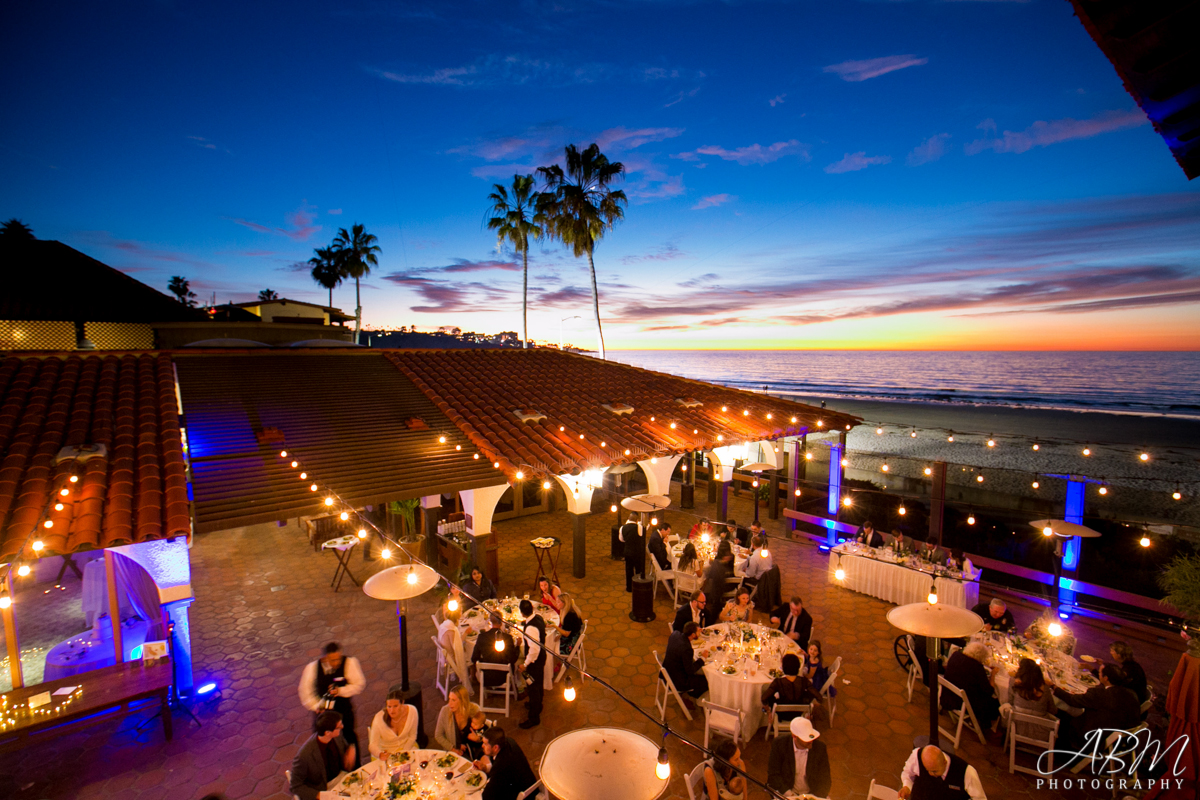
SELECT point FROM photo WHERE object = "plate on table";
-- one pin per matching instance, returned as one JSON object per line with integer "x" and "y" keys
{"x": 1089, "y": 680}
{"x": 1088, "y": 659}
{"x": 474, "y": 780}
{"x": 775, "y": 673}
{"x": 729, "y": 670}
{"x": 396, "y": 759}
{"x": 447, "y": 761}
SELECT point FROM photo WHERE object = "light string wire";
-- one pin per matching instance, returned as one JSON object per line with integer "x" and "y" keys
{"x": 529, "y": 640}
{"x": 35, "y": 533}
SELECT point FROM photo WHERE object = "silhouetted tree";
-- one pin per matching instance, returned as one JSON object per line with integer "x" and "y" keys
{"x": 357, "y": 252}
{"x": 15, "y": 230}
{"x": 267, "y": 294}
{"x": 179, "y": 286}
{"x": 516, "y": 220}
{"x": 326, "y": 270}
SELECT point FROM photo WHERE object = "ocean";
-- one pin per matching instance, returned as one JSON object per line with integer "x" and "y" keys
{"x": 1150, "y": 383}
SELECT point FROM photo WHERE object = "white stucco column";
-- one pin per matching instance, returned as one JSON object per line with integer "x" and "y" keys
{"x": 479, "y": 505}
{"x": 658, "y": 474}
{"x": 579, "y": 489}
{"x": 767, "y": 453}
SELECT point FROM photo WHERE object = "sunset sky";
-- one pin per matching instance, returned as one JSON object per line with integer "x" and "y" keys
{"x": 945, "y": 175}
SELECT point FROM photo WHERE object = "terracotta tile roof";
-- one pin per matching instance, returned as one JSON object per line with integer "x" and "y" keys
{"x": 479, "y": 390}
{"x": 136, "y": 491}
{"x": 356, "y": 422}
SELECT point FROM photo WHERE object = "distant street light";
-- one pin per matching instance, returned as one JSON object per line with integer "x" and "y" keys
{"x": 560, "y": 329}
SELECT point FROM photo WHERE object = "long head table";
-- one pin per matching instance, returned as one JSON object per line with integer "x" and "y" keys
{"x": 869, "y": 571}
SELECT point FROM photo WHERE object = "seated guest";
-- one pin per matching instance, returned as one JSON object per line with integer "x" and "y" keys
{"x": 756, "y": 529}
{"x": 658, "y": 546}
{"x": 996, "y": 616}
{"x": 793, "y": 689}
{"x": 1135, "y": 676}
{"x": 794, "y": 621}
{"x": 869, "y": 536}
{"x": 930, "y": 774}
{"x": 549, "y": 593}
{"x": 494, "y": 646}
{"x": 507, "y": 768}
{"x": 474, "y": 741}
{"x": 681, "y": 664}
{"x": 478, "y": 589}
{"x": 1109, "y": 706}
{"x": 689, "y": 561}
{"x": 799, "y": 763}
{"x": 967, "y": 669}
{"x": 740, "y": 608}
{"x": 570, "y": 626}
{"x": 815, "y": 669}
{"x": 757, "y": 564}
{"x": 931, "y": 551}
{"x": 1030, "y": 695}
{"x": 701, "y": 527}
{"x": 736, "y": 534}
{"x": 394, "y": 728}
{"x": 322, "y": 758}
{"x": 692, "y": 611}
{"x": 453, "y": 607}
{"x": 721, "y": 780}
{"x": 454, "y": 720}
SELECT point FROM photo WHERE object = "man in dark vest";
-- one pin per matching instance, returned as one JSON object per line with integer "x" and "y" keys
{"x": 328, "y": 683}
{"x": 635, "y": 549}
{"x": 930, "y": 774}
{"x": 535, "y": 663}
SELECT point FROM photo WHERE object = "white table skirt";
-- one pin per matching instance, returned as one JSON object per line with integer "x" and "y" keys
{"x": 741, "y": 691}
{"x": 898, "y": 584}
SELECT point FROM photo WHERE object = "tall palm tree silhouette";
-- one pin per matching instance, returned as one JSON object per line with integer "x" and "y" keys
{"x": 357, "y": 252}
{"x": 326, "y": 271}
{"x": 516, "y": 220}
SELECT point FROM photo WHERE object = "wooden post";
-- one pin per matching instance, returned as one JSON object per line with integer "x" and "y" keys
{"x": 114, "y": 608}
{"x": 937, "y": 505}
{"x": 712, "y": 482}
{"x": 11, "y": 639}
{"x": 579, "y": 544}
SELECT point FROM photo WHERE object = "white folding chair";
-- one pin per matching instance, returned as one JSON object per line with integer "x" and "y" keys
{"x": 695, "y": 782}
{"x": 577, "y": 656}
{"x": 1033, "y": 744}
{"x": 953, "y": 649}
{"x": 964, "y": 715}
{"x": 827, "y": 690}
{"x": 507, "y": 688}
{"x": 441, "y": 677}
{"x": 1112, "y": 754}
{"x": 661, "y": 576}
{"x": 777, "y": 726}
{"x": 686, "y": 584}
{"x": 877, "y": 792}
{"x": 672, "y": 539}
{"x": 723, "y": 720}
{"x": 916, "y": 675}
{"x": 536, "y": 788}
{"x": 667, "y": 686}
{"x": 731, "y": 586}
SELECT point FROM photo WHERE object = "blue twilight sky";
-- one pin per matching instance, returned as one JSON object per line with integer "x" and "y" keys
{"x": 800, "y": 174}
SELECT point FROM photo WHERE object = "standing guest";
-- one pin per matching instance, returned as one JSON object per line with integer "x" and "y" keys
{"x": 478, "y": 589}
{"x": 549, "y": 594}
{"x": 658, "y": 545}
{"x": 815, "y": 669}
{"x": 328, "y": 683}
{"x": 967, "y": 669}
{"x": 1108, "y": 706}
{"x": 721, "y": 779}
{"x": 1135, "y": 676}
{"x": 394, "y": 728}
{"x": 794, "y": 621}
{"x": 692, "y": 611}
{"x": 634, "y": 539}
{"x": 1030, "y": 695}
{"x": 793, "y": 689}
{"x": 321, "y": 759}
{"x": 716, "y": 578}
{"x": 689, "y": 561}
{"x": 680, "y": 662}
{"x": 507, "y": 768}
{"x": 930, "y": 774}
{"x": 740, "y": 608}
{"x": 535, "y": 664}
{"x": 757, "y": 564}
{"x": 996, "y": 616}
{"x": 494, "y": 646}
{"x": 799, "y": 763}
{"x": 570, "y": 624}
{"x": 454, "y": 720}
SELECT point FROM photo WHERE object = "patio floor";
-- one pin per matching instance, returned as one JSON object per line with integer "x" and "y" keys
{"x": 264, "y": 608}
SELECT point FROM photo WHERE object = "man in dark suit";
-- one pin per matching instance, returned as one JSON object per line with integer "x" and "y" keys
{"x": 322, "y": 758}
{"x": 508, "y": 769}
{"x": 965, "y": 670}
{"x": 658, "y": 545}
{"x": 996, "y": 616}
{"x": 869, "y": 536}
{"x": 795, "y": 622}
{"x": 716, "y": 581}
{"x": 1109, "y": 706}
{"x": 690, "y": 612}
{"x": 801, "y": 748}
{"x": 485, "y": 650}
{"x": 635, "y": 549}
{"x": 681, "y": 664}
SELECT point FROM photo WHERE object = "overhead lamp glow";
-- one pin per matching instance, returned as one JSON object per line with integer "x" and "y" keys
{"x": 808, "y": 456}
{"x": 58, "y": 506}
{"x": 295, "y": 464}
{"x": 64, "y": 492}
{"x": 569, "y": 691}
{"x": 328, "y": 501}
{"x": 913, "y": 434}
{"x": 345, "y": 515}
{"x": 884, "y": 468}
{"x": 545, "y": 484}
{"x": 1036, "y": 485}
{"x": 662, "y": 770}
{"x": 476, "y": 456}
{"x": 1087, "y": 451}
{"x": 797, "y": 493}
{"x": 499, "y": 644}
{"x": 1054, "y": 629}
{"x": 1037, "y": 446}
{"x": 74, "y": 479}
{"x": 441, "y": 440}
{"x": 902, "y": 511}
{"x": 303, "y": 476}
{"x": 928, "y": 471}
{"x": 1144, "y": 457}
{"x": 1176, "y": 495}
{"x": 879, "y": 431}
{"x": 991, "y": 442}
{"x": 48, "y": 523}
{"x": 847, "y": 502}
{"x": 411, "y": 577}
{"x": 971, "y": 519}
{"x": 950, "y": 438}
{"x": 283, "y": 453}
{"x": 840, "y": 574}
{"x": 932, "y": 598}
{"x": 1103, "y": 490}
{"x": 979, "y": 479}
{"x": 385, "y": 553}
{"x": 5, "y": 602}
{"x": 1047, "y": 531}
{"x": 613, "y": 508}
{"x": 1144, "y": 541}
{"x": 23, "y": 570}
{"x": 312, "y": 488}
{"x": 362, "y": 533}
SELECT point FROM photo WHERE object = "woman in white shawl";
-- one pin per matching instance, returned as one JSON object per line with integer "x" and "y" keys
{"x": 394, "y": 728}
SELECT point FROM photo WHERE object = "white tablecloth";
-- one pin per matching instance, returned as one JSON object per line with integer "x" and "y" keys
{"x": 87, "y": 651}
{"x": 95, "y": 593}
{"x": 431, "y": 778}
{"x": 1057, "y": 666}
{"x": 739, "y": 559}
{"x": 896, "y": 583}
{"x": 602, "y": 763}
{"x": 474, "y": 620}
{"x": 743, "y": 689}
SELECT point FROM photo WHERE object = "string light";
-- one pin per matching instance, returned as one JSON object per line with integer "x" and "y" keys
{"x": 5, "y": 601}
{"x": 723, "y": 408}
{"x": 303, "y": 476}
{"x": 1103, "y": 490}
{"x": 385, "y": 553}
{"x": 1087, "y": 451}
{"x": 38, "y": 545}
{"x": 839, "y": 572}
{"x": 1047, "y": 531}
{"x": 1177, "y": 495}
{"x": 847, "y": 502}
{"x": 49, "y": 523}
{"x": 652, "y": 419}
{"x": 745, "y": 412}
{"x": 362, "y": 533}
{"x": 793, "y": 419}
{"x": 458, "y": 447}
{"x": 672, "y": 426}
{"x": 950, "y": 438}
{"x": 928, "y": 470}
{"x": 768, "y": 415}
{"x": 520, "y": 475}
{"x": 476, "y": 456}
{"x": 345, "y": 515}
{"x": 23, "y": 570}
{"x": 499, "y": 644}
{"x": 913, "y": 434}
{"x": 626, "y": 452}
{"x": 283, "y": 453}
{"x": 312, "y": 488}
{"x": 74, "y": 479}
{"x": 569, "y": 691}
{"x": 845, "y": 462}
{"x": 1037, "y": 446}
{"x": 720, "y": 438}
{"x": 64, "y": 492}
{"x": 58, "y": 506}
{"x": 704, "y": 537}
{"x": 662, "y": 770}
{"x": 328, "y": 501}
{"x": 545, "y": 484}
{"x": 604, "y": 444}
{"x": 496, "y": 464}
{"x": 613, "y": 508}
{"x": 1144, "y": 456}
{"x": 808, "y": 456}
{"x": 654, "y": 520}
{"x": 884, "y": 468}
{"x": 1145, "y": 541}
{"x": 797, "y": 493}
{"x": 1036, "y": 484}
{"x": 683, "y": 468}
{"x": 902, "y": 511}
{"x": 979, "y": 479}
{"x": 970, "y": 519}
{"x": 441, "y": 440}
{"x": 933, "y": 598}
{"x": 412, "y": 579}
{"x": 1054, "y": 629}
{"x": 820, "y": 423}
{"x": 879, "y": 431}
{"x": 991, "y": 442}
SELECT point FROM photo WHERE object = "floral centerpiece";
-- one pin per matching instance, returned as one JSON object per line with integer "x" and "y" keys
{"x": 401, "y": 786}
{"x": 1049, "y": 632}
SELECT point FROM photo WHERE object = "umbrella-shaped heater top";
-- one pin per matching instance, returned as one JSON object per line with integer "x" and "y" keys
{"x": 935, "y": 621}
{"x": 1065, "y": 529}
{"x": 401, "y": 582}
{"x": 757, "y": 466}
{"x": 646, "y": 503}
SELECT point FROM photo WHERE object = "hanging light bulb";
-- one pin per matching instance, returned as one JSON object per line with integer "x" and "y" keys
{"x": 793, "y": 419}
{"x": 820, "y": 423}
{"x": 1047, "y": 531}
{"x": 441, "y": 440}
{"x": 913, "y": 434}
{"x": 662, "y": 770}
{"x": 49, "y": 523}
{"x": 950, "y": 438}
{"x": 545, "y": 484}
{"x": 1087, "y": 451}
{"x": 499, "y": 644}
{"x": 654, "y": 520}
{"x": 38, "y": 545}
{"x": 303, "y": 476}
{"x": 808, "y": 456}
{"x": 720, "y": 437}
{"x": 295, "y": 464}
{"x": 1103, "y": 490}
{"x": 362, "y": 533}
{"x": 1176, "y": 495}
{"x": 933, "y": 598}
{"x": 74, "y": 479}
{"x": 312, "y": 488}
{"x": 928, "y": 470}
{"x": 64, "y": 491}
{"x": 797, "y": 493}
{"x": 1054, "y": 629}
{"x": 1037, "y": 446}
{"x": 496, "y": 464}
{"x": 5, "y": 601}
{"x": 58, "y": 506}
{"x": 1144, "y": 457}
{"x": 704, "y": 537}
{"x": 626, "y": 452}
{"x": 283, "y": 453}
{"x": 724, "y": 408}
{"x": 745, "y": 412}
{"x": 845, "y": 462}
{"x": 970, "y": 519}
{"x": 411, "y": 577}
{"x": 884, "y": 468}
{"x": 754, "y": 483}
{"x": 768, "y": 415}
{"x": 23, "y": 570}
{"x": 604, "y": 444}
{"x": 1145, "y": 541}
{"x": 991, "y": 442}
{"x": 345, "y": 515}
{"x": 879, "y": 431}
{"x": 683, "y": 468}
{"x": 613, "y": 508}
{"x": 451, "y": 605}
{"x": 385, "y": 553}
{"x": 840, "y": 572}
{"x": 458, "y": 447}
{"x": 328, "y": 501}
{"x": 847, "y": 502}
{"x": 475, "y": 456}
{"x": 764, "y": 552}
{"x": 979, "y": 479}
{"x": 569, "y": 691}
{"x": 1036, "y": 484}
{"x": 520, "y": 475}
{"x": 902, "y": 511}
{"x": 672, "y": 426}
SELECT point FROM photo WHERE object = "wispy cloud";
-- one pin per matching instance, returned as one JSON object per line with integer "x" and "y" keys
{"x": 929, "y": 150}
{"x": 681, "y": 96}
{"x": 667, "y": 252}
{"x": 853, "y": 162}
{"x": 777, "y": 100}
{"x": 513, "y": 69}
{"x": 751, "y": 154}
{"x": 713, "y": 200}
{"x": 334, "y": 211}
{"x": 1042, "y": 133}
{"x": 200, "y": 141}
{"x": 299, "y": 225}
{"x": 855, "y": 71}
{"x": 626, "y": 138}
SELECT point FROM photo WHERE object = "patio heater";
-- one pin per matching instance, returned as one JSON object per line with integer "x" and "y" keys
{"x": 935, "y": 622}
{"x": 757, "y": 469}
{"x": 1062, "y": 531}
{"x": 643, "y": 587}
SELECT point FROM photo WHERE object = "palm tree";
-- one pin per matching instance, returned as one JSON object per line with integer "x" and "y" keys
{"x": 179, "y": 286}
{"x": 326, "y": 270}
{"x": 267, "y": 294}
{"x": 516, "y": 220}
{"x": 15, "y": 230}
{"x": 580, "y": 207}
{"x": 357, "y": 252}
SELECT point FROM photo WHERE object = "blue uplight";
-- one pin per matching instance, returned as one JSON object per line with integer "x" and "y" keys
{"x": 206, "y": 688}
{"x": 135, "y": 653}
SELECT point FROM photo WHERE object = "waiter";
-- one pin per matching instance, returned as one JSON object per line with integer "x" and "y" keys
{"x": 635, "y": 549}
{"x": 328, "y": 683}
{"x": 535, "y": 663}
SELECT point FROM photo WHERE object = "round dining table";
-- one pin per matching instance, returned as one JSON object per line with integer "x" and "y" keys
{"x": 740, "y": 659}
{"x": 475, "y": 620}
{"x": 92, "y": 650}
{"x": 413, "y": 775}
